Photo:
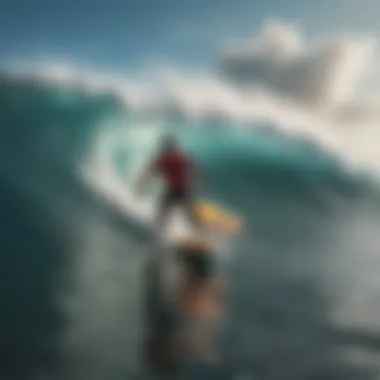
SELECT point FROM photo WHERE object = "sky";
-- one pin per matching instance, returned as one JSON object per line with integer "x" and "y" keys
{"x": 125, "y": 34}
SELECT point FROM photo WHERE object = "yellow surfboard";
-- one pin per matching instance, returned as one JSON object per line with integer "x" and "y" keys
{"x": 215, "y": 216}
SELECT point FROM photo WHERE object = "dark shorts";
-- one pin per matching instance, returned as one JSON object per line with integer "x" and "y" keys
{"x": 198, "y": 264}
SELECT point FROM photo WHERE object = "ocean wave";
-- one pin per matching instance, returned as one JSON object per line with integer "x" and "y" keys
{"x": 306, "y": 229}
{"x": 166, "y": 93}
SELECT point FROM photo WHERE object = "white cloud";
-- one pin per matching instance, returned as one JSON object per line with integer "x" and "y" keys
{"x": 280, "y": 60}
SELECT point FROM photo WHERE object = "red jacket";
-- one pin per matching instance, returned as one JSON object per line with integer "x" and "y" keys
{"x": 176, "y": 168}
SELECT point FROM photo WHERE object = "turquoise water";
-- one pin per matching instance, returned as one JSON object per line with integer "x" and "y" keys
{"x": 69, "y": 273}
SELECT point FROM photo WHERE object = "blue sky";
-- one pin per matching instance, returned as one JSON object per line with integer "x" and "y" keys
{"x": 124, "y": 34}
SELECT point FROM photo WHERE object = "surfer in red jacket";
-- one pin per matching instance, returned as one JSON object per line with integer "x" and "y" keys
{"x": 178, "y": 171}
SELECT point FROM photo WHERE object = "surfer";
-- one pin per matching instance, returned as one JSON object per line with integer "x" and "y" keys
{"x": 178, "y": 171}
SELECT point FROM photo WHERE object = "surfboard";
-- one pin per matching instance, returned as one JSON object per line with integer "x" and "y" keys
{"x": 213, "y": 215}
